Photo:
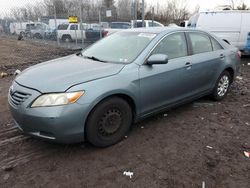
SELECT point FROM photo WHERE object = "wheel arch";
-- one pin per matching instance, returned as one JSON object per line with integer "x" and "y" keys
{"x": 231, "y": 72}
{"x": 66, "y": 35}
{"x": 130, "y": 100}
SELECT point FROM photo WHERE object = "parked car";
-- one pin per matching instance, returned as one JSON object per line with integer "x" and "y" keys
{"x": 98, "y": 94}
{"x": 133, "y": 24}
{"x": 38, "y": 31}
{"x": 120, "y": 25}
{"x": 95, "y": 34}
{"x": 117, "y": 26}
{"x": 51, "y": 34}
{"x": 23, "y": 27}
{"x": 232, "y": 26}
{"x": 147, "y": 23}
{"x": 71, "y": 32}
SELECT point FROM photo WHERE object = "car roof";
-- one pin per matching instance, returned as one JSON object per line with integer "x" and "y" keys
{"x": 121, "y": 22}
{"x": 158, "y": 30}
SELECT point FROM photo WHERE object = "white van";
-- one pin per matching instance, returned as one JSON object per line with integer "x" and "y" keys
{"x": 21, "y": 27}
{"x": 18, "y": 27}
{"x": 233, "y": 26}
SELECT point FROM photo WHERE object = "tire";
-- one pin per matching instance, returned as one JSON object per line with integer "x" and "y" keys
{"x": 66, "y": 38}
{"x": 108, "y": 122}
{"x": 38, "y": 36}
{"x": 222, "y": 86}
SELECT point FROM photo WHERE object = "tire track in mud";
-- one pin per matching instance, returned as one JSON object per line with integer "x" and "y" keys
{"x": 25, "y": 148}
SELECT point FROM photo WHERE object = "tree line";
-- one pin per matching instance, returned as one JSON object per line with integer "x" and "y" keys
{"x": 122, "y": 10}
{"x": 173, "y": 11}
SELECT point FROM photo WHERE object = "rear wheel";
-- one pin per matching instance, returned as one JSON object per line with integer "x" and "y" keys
{"x": 108, "y": 122}
{"x": 66, "y": 38}
{"x": 222, "y": 86}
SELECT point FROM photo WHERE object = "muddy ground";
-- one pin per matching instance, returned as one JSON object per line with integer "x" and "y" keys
{"x": 199, "y": 142}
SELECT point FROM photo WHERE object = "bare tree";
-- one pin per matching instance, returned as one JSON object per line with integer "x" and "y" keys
{"x": 124, "y": 8}
{"x": 174, "y": 12}
{"x": 243, "y": 6}
{"x": 234, "y": 5}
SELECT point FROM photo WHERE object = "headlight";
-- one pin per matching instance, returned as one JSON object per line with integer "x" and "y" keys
{"x": 57, "y": 99}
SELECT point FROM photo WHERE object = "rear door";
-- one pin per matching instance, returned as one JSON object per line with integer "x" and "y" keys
{"x": 207, "y": 59}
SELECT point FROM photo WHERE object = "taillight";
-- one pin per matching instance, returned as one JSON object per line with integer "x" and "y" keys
{"x": 105, "y": 33}
{"x": 239, "y": 54}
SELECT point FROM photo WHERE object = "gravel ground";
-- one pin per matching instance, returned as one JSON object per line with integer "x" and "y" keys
{"x": 203, "y": 141}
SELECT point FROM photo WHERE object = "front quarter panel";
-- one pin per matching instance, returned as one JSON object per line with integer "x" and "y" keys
{"x": 126, "y": 82}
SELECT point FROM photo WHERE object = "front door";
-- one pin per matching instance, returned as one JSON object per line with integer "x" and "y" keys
{"x": 162, "y": 85}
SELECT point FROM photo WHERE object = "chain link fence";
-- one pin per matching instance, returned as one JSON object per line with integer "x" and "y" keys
{"x": 48, "y": 20}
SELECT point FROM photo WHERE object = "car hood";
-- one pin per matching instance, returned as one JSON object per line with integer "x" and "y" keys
{"x": 60, "y": 74}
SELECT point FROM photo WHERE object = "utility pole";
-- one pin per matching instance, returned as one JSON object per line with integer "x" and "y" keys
{"x": 81, "y": 26}
{"x": 100, "y": 21}
{"x": 143, "y": 13}
{"x": 134, "y": 21}
{"x": 153, "y": 15}
{"x": 57, "y": 38}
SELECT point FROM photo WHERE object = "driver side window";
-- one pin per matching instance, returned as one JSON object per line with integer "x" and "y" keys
{"x": 174, "y": 46}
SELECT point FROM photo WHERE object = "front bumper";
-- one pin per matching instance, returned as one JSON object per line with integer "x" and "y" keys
{"x": 61, "y": 124}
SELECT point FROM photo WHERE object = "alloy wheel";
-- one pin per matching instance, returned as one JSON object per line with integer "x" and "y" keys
{"x": 223, "y": 85}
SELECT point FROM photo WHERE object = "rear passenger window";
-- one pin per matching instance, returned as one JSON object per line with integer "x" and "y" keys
{"x": 216, "y": 45}
{"x": 139, "y": 24}
{"x": 153, "y": 24}
{"x": 200, "y": 43}
{"x": 173, "y": 45}
{"x": 74, "y": 27}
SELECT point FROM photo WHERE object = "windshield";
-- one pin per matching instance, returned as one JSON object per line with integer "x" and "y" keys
{"x": 122, "y": 47}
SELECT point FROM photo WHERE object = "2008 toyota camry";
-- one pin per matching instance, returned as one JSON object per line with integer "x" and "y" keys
{"x": 97, "y": 95}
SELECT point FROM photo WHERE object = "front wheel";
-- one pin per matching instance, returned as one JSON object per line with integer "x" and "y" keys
{"x": 109, "y": 122}
{"x": 222, "y": 86}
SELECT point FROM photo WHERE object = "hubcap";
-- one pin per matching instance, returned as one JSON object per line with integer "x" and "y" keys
{"x": 223, "y": 86}
{"x": 110, "y": 123}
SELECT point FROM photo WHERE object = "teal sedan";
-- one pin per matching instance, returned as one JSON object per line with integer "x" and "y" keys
{"x": 98, "y": 94}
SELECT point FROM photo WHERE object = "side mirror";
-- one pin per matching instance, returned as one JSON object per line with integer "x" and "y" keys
{"x": 157, "y": 59}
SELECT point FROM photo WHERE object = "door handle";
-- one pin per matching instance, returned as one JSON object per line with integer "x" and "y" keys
{"x": 188, "y": 64}
{"x": 222, "y": 56}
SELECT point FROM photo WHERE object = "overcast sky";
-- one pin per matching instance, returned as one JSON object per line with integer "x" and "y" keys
{"x": 6, "y": 5}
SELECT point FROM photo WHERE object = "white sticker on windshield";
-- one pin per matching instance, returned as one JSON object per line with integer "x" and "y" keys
{"x": 123, "y": 60}
{"x": 147, "y": 35}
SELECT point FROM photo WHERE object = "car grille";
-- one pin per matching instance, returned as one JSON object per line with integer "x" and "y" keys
{"x": 18, "y": 97}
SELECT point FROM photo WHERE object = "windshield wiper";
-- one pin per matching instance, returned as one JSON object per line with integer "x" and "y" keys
{"x": 94, "y": 58}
